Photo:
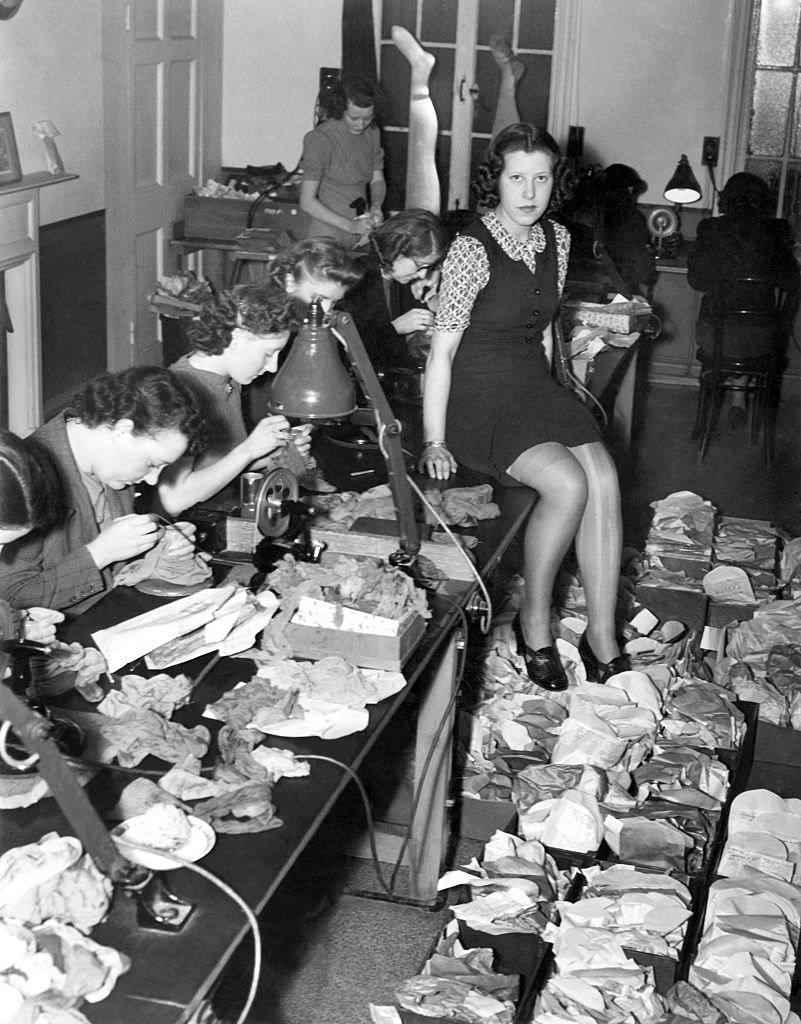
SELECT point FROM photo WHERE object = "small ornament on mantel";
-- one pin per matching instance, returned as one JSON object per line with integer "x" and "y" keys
{"x": 47, "y": 132}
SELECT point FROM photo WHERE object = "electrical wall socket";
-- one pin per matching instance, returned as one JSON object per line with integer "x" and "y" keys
{"x": 709, "y": 153}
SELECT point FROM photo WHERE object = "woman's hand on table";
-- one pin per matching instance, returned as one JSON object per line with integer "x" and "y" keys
{"x": 414, "y": 320}
{"x": 39, "y": 624}
{"x": 124, "y": 538}
{"x": 437, "y": 461}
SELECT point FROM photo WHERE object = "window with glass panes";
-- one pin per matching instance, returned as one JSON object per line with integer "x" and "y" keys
{"x": 774, "y": 135}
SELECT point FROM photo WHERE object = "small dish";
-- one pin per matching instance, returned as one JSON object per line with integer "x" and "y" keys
{"x": 201, "y": 839}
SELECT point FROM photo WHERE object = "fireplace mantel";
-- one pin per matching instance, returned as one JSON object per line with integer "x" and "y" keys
{"x": 21, "y": 350}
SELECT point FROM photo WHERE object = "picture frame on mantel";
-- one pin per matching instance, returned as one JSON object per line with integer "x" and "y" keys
{"x": 10, "y": 170}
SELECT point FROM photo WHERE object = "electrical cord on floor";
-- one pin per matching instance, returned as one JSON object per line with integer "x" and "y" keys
{"x": 367, "y": 812}
{"x": 229, "y": 891}
{"x": 486, "y": 618}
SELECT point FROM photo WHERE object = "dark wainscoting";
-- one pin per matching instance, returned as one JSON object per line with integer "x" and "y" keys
{"x": 72, "y": 257}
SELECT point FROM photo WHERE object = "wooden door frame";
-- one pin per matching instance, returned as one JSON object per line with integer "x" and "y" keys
{"x": 119, "y": 171}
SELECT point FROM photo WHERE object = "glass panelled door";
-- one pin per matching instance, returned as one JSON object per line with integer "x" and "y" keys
{"x": 464, "y": 82}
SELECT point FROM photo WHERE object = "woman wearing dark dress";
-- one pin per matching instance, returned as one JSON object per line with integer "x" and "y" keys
{"x": 396, "y": 296}
{"x": 491, "y": 403}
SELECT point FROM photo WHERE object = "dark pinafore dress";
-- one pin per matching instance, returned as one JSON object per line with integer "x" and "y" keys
{"x": 503, "y": 399}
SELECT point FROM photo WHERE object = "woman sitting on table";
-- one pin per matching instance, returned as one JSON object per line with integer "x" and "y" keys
{"x": 236, "y": 338}
{"x": 30, "y": 499}
{"x": 491, "y": 403}
{"x": 342, "y": 158}
{"x": 121, "y": 430}
{"x": 404, "y": 251}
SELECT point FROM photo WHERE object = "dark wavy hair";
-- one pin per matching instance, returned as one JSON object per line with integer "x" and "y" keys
{"x": 417, "y": 234}
{"x": 521, "y": 138}
{"x": 321, "y": 258}
{"x": 254, "y": 308}
{"x": 746, "y": 193}
{"x": 153, "y": 398}
{"x": 31, "y": 496}
{"x": 356, "y": 89}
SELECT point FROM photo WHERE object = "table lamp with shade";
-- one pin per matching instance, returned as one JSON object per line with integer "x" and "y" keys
{"x": 313, "y": 385}
{"x": 683, "y": 188}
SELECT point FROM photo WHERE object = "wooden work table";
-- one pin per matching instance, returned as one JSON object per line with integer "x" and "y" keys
{"x": 171, "y": 973}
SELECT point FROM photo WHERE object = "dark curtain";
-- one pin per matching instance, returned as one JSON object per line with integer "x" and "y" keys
{"x": 358, "y": 40}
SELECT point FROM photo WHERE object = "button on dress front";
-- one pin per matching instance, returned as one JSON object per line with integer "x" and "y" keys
{"x": 503, "y": 399}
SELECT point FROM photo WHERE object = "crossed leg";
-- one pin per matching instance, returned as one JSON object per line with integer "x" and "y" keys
{"x": 559, "y": 479}
{"x": 422, "y": 181}
{"x": 579, "y": 498}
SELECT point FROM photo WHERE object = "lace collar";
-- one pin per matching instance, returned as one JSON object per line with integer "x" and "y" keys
{"x": 516, "y": 248}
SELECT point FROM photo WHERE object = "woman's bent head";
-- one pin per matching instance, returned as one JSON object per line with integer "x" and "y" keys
{"x": 136, "y": 422}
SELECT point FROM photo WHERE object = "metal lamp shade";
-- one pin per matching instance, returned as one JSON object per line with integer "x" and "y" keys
{"x": 313, "y": 383}
{"x": 683, "y": 187}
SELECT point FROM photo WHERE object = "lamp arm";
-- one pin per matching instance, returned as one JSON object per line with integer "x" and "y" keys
{"x": 389, "y": 434}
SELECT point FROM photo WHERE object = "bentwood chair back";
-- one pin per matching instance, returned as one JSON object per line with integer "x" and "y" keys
{"x": 743, "y": 348}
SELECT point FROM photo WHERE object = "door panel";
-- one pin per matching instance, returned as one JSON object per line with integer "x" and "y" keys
{"x": 152, "y": 82}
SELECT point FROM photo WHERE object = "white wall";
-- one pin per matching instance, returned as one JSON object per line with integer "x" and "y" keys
{"x": 50, "y": 67}
{"x": 651, "y": 84}
{"x": 273, "y": 50}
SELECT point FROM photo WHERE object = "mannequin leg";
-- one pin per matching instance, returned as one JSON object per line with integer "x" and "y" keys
{"x": 559, "y": 480}
{"x": 512, "y": 71}
{"x": 599, "y": 540}
{"x": 422, "y": 180}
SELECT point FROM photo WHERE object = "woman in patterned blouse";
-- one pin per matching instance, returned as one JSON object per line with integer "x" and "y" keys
{"x": 491, "y": 403}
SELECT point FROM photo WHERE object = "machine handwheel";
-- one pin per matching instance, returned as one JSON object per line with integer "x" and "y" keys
{"x": 277, "y": 487}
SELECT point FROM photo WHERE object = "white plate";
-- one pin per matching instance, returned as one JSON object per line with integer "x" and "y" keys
{"x": 201, "y": 839}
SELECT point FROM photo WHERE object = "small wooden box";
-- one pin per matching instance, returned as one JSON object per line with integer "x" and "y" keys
{"x": 227, "y": 218}
{"x": 365, "y": 649}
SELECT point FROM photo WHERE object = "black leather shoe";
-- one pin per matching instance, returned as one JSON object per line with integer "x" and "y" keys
{"x": 543, "y": 666}
{"x": 600, "y": 671}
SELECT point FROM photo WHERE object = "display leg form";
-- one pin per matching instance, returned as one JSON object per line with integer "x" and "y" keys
{"x": 422, "y": 180}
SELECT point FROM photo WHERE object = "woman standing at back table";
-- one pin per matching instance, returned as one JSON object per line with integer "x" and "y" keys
{"x": 490, "y": 401}
{"x": 342, "y": 157}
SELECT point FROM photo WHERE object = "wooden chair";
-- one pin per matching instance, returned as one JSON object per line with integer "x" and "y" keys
{"x": 745, "y": 353}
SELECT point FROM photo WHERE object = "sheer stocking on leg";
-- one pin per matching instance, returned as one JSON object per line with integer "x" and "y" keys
{"x": 598, "y": 547}
{"x": 559, "y": 480}
{"x": 512, "y": 71}
{"x": 422, "y": 180}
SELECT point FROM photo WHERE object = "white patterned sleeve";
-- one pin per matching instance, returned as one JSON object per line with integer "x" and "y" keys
{"x": 562, "y": 253}
{"x": 464, "y": 273}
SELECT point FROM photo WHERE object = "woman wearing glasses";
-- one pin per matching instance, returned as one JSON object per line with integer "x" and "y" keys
{"x": 395, "y": 301}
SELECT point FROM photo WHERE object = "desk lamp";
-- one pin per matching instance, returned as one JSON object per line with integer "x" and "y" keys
{"x": 314, "y": 385}
{"x": 683, "y": 188}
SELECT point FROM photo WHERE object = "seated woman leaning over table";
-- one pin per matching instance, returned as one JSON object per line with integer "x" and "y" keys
{"x": 396, "y": 298}
{"x": 313, "y": 268}
{"x": 122, "y": 429}
{"x": 30, "y": 499}
{"x": 235, "y": 339}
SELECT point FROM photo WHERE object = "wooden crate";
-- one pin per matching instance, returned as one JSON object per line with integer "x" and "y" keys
{"x": 367, "y": 650}
{"x": 227, "y": 218}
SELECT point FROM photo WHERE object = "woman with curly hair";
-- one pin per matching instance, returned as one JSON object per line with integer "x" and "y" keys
{"x": 396, "y": 296}
{"x": 342, "y": 159}
{"x": 121, "y": 430}
{"x": 235, "y": 339}
{"x": 491, "y": 403}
